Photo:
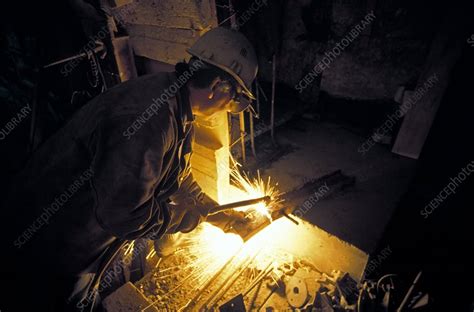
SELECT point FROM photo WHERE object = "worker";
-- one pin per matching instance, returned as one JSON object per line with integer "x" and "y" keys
{"x": 119, "y": 171}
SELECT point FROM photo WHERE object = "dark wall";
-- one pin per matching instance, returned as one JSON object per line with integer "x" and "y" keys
{"x": 33, "y": 34}
{"x": 389, "y": 53}
{"x": 440, "y": 243}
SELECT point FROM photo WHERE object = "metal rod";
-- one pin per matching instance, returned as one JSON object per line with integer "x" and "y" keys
{"x": 230, "y": 281}
{"x": 410, "y": 290}
{"x": 233, "y": 16}
{"x": 31, "y": 143}
{"x": 192, "y": 303}
{"x": 228, "y": 18}
{"x": 252, "y": 137}
{"x": 255, "y": 296}
{"x": 290, "y": 218}
{"x": 236, "y": 141}
{"x": 272, "y": 116}
{"x": 263, "y": 93}
{"x": 80, "y": 55}
{"x": 242, "y": 203}
{"x": 259, "y": 278}
{"x": 257, "y": 95}
{"x": 268, "y": 297}
{"x": 242, "y": 135}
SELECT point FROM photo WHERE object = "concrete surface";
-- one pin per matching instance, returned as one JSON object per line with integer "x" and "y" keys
{"x": 359, "y": 214}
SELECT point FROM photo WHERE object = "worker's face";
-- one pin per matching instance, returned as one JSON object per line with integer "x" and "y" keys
{"x": 218, "y": 97}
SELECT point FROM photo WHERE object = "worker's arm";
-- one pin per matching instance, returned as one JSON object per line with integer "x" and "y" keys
{"x": 189, "y": 201}
{"x": 127, "y": 171}
{"x": 197, "y": 205}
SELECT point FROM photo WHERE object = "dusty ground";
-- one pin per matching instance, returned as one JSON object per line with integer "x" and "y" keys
{"x": 173, "y": 284}
{"x": 360, "y": 214}
{"x": 264, "y": 270}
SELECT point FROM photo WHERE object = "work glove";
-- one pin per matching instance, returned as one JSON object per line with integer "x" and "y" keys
{"x": 185, "y": 216}
{"x": 189, "y": 213}
{"x": 168, "y": 244}
{"x": 226, "y": 220}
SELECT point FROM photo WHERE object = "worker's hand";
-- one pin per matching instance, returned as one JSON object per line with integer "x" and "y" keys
{"x": 184, "y": 217}
{"x": 168, "y": 244}
{"x": 227, "y": 219}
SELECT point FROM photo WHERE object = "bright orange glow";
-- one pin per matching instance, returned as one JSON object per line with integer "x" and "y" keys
{"x": 210, "y": 248}
{"x": 247, "y": 188}
{"x": 213, "y": 248}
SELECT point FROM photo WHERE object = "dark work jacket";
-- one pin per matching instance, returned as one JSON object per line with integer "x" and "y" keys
{"x": 109, "y": 185}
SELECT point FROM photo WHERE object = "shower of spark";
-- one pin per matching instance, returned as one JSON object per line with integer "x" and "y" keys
{"x": 210, "y": 247}
{"x": 255, "y": 188}
{"x": 213, "y": 248}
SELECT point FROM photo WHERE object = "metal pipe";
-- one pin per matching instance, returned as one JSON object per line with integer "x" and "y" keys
{"x": 238, "y": 204}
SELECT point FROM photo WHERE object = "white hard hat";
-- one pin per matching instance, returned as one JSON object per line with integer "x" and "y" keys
{"x": 230, "y": 51}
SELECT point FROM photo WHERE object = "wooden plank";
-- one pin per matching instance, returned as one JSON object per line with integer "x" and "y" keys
{"x": 166, "y": 34}
{"x": 158, "y": 50}
{"x": 124, "y": 58}
{"x": 444, "y": 52}
{"x": 162, "y": 30}
{"x": 185, "y": 14}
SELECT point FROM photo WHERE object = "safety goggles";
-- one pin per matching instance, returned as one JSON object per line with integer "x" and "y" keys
{"x": 240, "y": 102}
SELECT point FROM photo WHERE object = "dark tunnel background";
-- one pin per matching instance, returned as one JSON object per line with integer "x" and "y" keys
{"x": 442, "y": 245}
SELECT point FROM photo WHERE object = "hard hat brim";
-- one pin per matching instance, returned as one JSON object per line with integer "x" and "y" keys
{"x": 245, "y": 90}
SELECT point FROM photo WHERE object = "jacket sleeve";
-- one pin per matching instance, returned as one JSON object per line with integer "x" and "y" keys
{"x": 127, "y": 170}
{"x": 190, "y": 189}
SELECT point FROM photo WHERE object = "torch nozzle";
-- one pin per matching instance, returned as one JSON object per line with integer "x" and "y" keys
{"x": 243, "y": 203}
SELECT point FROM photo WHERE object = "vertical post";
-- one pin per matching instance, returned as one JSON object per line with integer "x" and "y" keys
{"x": 252, "y": 136}
{"x": 272, "y": 116}
{"x": 257, "y": 93}
{"x": 31, "y": 143}
{"x": 233, "y": 19}
{"x": 242, "y": 135}
{"x": 251, "y": 121}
